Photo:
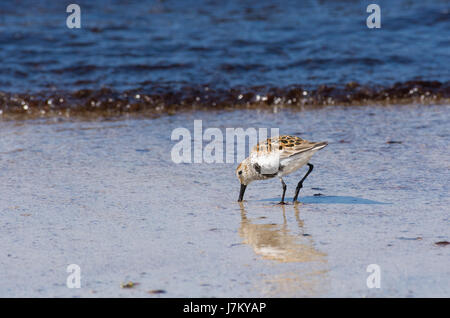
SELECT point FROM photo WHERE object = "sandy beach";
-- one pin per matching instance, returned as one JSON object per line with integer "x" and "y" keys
{"x": 105, "y": 195}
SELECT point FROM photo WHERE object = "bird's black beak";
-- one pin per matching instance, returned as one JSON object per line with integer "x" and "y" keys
{"x": 241, "y": 193}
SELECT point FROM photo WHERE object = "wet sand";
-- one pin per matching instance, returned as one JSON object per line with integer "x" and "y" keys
{"x": 105, "y": 195}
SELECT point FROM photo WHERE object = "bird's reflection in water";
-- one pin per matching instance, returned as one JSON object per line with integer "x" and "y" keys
{"x": 277, "y": 242}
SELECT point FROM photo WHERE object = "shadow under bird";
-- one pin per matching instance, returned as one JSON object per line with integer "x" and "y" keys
{"x": 277, "y": 157}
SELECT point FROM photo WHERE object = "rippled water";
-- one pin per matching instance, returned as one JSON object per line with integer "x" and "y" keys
{"x": 163, "y": 48}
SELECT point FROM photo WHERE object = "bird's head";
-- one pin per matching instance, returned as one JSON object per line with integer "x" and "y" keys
{"x": 245, "y": 173}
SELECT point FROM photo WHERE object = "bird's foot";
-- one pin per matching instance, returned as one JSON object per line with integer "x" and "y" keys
{"x": 282, "y": 203}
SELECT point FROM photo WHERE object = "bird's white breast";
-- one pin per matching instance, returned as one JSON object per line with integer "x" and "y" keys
{"x": 268, "y": 161}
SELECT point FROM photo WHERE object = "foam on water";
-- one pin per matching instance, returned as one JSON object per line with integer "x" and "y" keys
{"x": 244, "y": 52}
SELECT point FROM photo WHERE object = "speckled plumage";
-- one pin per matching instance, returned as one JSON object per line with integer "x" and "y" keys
{"x": 286, "y": 145}
{"x": 276, "y": 157}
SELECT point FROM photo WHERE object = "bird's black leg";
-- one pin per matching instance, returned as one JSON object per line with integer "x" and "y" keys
{"x": 284, "y": 191}
{"x": 300, "y": 184}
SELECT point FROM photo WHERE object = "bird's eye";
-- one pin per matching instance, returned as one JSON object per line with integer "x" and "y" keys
{"x": 240, "y": 172}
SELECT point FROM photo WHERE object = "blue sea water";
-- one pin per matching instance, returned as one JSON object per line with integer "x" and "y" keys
{"x": 223, "y": 44}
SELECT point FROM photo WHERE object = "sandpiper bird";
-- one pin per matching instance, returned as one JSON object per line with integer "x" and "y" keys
{"x": 277, "y": 157}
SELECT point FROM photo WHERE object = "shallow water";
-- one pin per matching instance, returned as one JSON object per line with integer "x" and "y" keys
{"x": 106, "y": 195}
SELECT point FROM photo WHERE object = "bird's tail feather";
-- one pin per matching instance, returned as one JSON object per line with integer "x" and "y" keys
{"x": 320, "y": 145}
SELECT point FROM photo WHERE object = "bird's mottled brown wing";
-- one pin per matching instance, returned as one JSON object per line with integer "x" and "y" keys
{"x": 268, "y": 145}
{"x": 286, "y": 145}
